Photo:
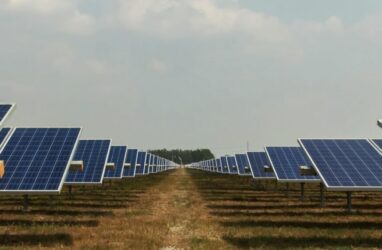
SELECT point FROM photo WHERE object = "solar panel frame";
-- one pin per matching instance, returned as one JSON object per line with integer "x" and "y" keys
{"x": 124, "y": 160}
{"x": 8, "y": 113}
{"x": 4, "y": 139}
{"x": 254, "y": 175}
{"x": 224, "y": 164}
{"x": 241, "y": 169}
{"x": 86, "y": 183}
{"x": 322, "y": 177}
{"x": 147, "y": 163}
{"x": 135, "y": 163}
{"x": 285, "y": 180}
{"x": 140, "y": 167}
{"x": 38, "y": 192}
{"x": 232, "y": 164}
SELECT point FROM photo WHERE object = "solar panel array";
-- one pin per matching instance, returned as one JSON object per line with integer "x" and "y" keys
{"x": 94, "y": 154}
{"x": 243, "y": 164}
{"x": 37, "y": 159}
{"x": 117, "y": 156}
{"x": 131, "y": 161}
{"x": 286, "y": 163}
{"x": 345, "y": 164}
{"x": 257, "y": 161}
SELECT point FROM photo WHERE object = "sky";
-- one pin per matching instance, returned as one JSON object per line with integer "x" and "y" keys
{"x": 218, "y": 74}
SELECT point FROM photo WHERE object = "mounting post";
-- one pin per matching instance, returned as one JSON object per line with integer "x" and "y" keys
{"x": 25, "y": 203}
{"x": 287, "y": 190}
{"x": 322, "y": 198}
{"x": 302, "y": 191}
{"x": 349, "y": 206}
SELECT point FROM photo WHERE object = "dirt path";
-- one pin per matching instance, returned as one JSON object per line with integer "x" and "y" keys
{"x": 189, "y": 224}
{"x": 168, "y": 215}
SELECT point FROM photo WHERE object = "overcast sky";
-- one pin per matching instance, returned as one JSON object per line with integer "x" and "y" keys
{"x": 194, "y": 73}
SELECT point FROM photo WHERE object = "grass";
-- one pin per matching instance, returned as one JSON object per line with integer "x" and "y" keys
{"x": 191, "y": 209}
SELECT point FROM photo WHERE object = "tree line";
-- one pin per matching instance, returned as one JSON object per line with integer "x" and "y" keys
{"x": 184, "y": 156}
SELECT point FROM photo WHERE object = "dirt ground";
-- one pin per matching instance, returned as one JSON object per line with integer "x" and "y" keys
{"x": 191, "y": 209}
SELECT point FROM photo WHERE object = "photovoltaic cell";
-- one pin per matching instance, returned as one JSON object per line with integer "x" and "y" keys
{"x": 257, "y": 161}
{"x": 117, "y": 156}
{"x": 140, "y": 168}
{"x": 94, "y": 154}
{"x": 286, "y": 163}
{"x": 243, "y": 164}
{"x": 37, "y": 159}
{"x": 345, "y": 164}
{"x": 132, "y": 157}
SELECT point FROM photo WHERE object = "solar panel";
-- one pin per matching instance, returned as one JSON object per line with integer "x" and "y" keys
{"x": 4, "y": 133}
{"x": 147, "y": 163}
{"x": 243, "y": 164}
{"x": 5, "y": 110}
{"x": 286, "y": 163}
{"x": 257, "y": 161}
{"x": 377, "y": 143}
{"x": 151, "y": 166}
{"x": 232, "y": 164}
{"x": 94, "y": 155}
{"x": 117, "y": 156}
{"x": 224, "y": 163}
{"x": 140, "y": 168}
{"x": 37, "y": 159}
{"x": 131, "y": 160}
{"x": 219, "y": 165}
{"x": 345, "y": 164}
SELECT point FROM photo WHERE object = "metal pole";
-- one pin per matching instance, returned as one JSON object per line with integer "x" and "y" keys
{"x": 349, "y": 206}
{"x": 287, "y": 190}
{"x": 322, "y": 199}
{"x": 302, "y": 191}
{"x": 25, "y": 203}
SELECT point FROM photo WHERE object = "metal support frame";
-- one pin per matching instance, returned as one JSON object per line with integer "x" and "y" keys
{"x": 349, "y": 201}
{"x": 322, "y": 198}
{"x": 302, "y": 191}
{"x": 25, "y": 203}
{"x": 287, "y": 191}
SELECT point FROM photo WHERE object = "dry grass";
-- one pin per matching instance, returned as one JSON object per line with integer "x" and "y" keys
{"x": 260, "y": 215}
{"x": 190, "y": 209}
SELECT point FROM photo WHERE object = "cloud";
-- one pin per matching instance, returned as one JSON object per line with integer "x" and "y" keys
{"x": 79, "y": 24}
{"x": 370, "y": 27}
{"x": 37, "y": 6}
{"x": 158, "y": 65}
{"x": 173, "y": 19}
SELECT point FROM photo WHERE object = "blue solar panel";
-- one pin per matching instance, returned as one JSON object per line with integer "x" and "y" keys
{"x": 257, "y": 161}
{"x": 131, "y": 160}
{"x": 94, "y": 154}
{"x": 37, "y": 159}
{"x": 147, "y": 163}
{"x": 232, "y": 165}
{"x": 117, "y": 156}
{"x": 140, "y": 168}
{"x": 4, "y": 132}
{"x": 224, "y": 163}
{"x": 156, "y": 163}
{"x": 151, "y": 166}
{"x": 219, "y": 165}
{"x": 5, "y": 109}
{"x": 243, "y": 164}
{"x": 352, "y": 164}
{"x": 286, "y": 163}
